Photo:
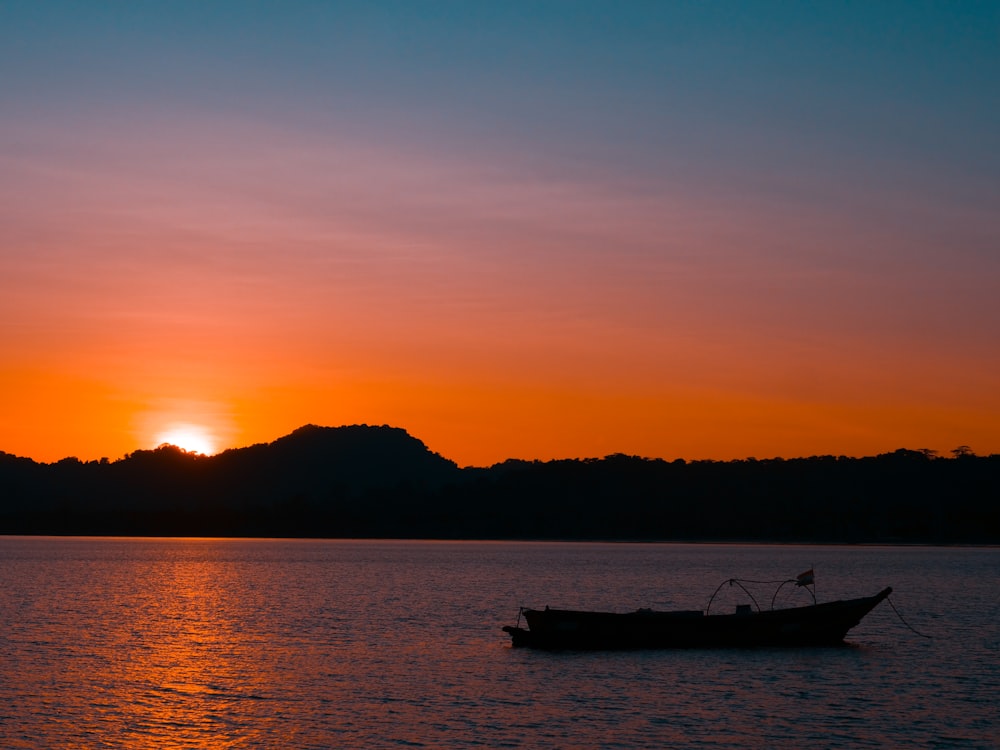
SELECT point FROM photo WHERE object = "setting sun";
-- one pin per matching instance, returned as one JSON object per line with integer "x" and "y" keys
{"x": 189, "y": 437}
{"x": 659, "y": 249}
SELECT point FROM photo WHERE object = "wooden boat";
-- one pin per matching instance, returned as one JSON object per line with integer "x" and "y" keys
{"x": 823, "y": 624}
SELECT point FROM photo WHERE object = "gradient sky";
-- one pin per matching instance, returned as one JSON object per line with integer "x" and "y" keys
{"x": 515, "y": 229}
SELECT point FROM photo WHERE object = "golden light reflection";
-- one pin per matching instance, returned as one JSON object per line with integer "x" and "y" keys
{"x": 189, "y": 677}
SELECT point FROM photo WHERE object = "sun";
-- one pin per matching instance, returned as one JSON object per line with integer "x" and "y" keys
{"x": 189, "y": 437}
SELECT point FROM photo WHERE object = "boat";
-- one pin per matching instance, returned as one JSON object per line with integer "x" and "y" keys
{"x": 816, "y": 624}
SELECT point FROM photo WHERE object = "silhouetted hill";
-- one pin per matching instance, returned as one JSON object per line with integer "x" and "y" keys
{"x": 362, "y": 481}
{"x": 315, "y": 479}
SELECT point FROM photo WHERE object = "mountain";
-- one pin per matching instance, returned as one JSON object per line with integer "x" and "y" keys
{"x": 301, "y": 482}
{"x": 364, "y": 481}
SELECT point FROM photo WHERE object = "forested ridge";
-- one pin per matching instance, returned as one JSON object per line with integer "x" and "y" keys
{"x": 365, "y": 481}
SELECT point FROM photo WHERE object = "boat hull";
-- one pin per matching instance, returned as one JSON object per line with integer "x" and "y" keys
{"x": 816, "y": 625}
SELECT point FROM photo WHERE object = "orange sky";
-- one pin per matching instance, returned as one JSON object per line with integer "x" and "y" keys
{"x": 518, "y": 282}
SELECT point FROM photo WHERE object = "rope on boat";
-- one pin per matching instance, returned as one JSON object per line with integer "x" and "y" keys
{"x": 740, "y": 581}
{"x": 922, "y": 635}
{"x": 520, "y": 611}
{"x": 812, "y": 591}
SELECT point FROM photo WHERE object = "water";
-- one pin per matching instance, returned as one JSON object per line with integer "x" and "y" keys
{"x": 140, "y": 643}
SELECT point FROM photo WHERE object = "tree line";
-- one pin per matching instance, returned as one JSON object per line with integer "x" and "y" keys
{"x": 363, "y": 481}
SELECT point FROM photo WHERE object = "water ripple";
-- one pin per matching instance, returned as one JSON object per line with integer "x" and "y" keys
{"x": 258, "y": 644}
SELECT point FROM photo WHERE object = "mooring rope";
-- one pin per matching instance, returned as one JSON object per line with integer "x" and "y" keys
{"x": 922, "y": 635}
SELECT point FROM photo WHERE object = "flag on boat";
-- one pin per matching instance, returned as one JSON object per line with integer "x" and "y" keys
{"x": 805, "y": 579}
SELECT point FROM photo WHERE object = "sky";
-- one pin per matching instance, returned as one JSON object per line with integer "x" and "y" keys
{"x": 516, "y": 229}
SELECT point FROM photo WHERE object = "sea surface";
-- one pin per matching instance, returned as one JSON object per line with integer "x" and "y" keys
{"x": 194, "y": 643}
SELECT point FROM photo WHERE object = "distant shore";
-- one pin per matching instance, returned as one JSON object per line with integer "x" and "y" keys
{"x": 366, "y": 482}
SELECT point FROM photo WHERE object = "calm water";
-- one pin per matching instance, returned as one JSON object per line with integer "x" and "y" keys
{"x": 135, "y": 643}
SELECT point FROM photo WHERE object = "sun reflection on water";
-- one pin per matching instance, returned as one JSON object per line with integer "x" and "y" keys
{"x": 186, "y": 668}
